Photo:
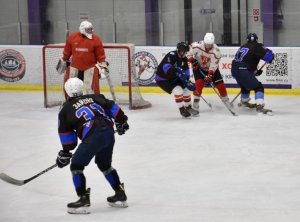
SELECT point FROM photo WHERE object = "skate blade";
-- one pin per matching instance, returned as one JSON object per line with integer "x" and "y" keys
{"x": 245, "y": 106}
{"x": 118, "y": 204}
{"x": 81, "y": 210}
{"x": 194, "y": 114}
{"x": 265, "y": 114}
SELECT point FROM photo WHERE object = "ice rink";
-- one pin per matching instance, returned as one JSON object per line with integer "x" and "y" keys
{"x": 211, "y": 168}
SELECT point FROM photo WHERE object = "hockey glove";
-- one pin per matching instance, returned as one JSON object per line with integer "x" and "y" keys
{"x": 63, "y": 158}
{"x": 208, "y": 79}
{"x": 182, "y": 75}
{"x": 122, "y": 127}
{"x": 103, "y": 69}
{"x": 258, "y": 72}
{"x": 61, "y": 66}
{"x": 195, "y": 64}
{"x": 191, "y": 86}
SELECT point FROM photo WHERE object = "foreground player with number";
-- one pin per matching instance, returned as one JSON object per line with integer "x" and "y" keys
{"x": 88, "y": 58}
{"x": 90, "y": 118}
{"x": 244, "y": 70}
{"x": 205, "y": 57}
{"x": 173, "y": 76}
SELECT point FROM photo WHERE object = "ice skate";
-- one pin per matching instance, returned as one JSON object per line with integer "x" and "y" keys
{"x": 196, "y": 104}
{"x": 184, "y": 112}
{"x": 245, "y": 103}
{"x": 119, "y": 199}
{"x": 192, "y": 111}
{"x": 226, "y": 101}
{"x": 82, "y": 205}
{"x": 261, "y": 110}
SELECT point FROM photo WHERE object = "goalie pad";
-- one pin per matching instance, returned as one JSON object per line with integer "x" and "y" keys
{"x": 103, "y": 69}
{"x": 91, "y": 81}
{"x": 61, "y": 66}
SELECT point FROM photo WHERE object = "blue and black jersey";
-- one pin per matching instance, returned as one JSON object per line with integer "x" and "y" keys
{"x": 167, "y": 67}
{"x": 80, "y": 115}
{"x": 250, "y": 54}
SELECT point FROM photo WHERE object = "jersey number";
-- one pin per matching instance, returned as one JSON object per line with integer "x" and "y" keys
{"x": 240, "y": 54}
{"x": 87, "y": 111}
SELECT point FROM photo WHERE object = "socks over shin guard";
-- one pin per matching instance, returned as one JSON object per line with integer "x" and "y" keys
{"x": 113, "y": 178}
{"x": 199, "y": 87}
{"x": 79, "y": 182}
{"x": 222, "y": 89}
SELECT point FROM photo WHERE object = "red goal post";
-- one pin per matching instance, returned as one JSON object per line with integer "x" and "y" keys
{"x": 124, "y": 87}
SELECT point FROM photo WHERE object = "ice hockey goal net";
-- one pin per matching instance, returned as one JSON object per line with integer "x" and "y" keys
{"x": 125, "y": 88}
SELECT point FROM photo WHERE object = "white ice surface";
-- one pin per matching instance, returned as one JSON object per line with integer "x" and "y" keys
{"x": 215, "y": 167}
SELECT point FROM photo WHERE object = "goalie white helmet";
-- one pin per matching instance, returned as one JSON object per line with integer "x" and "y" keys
{"x": 86, "y": 28}
{"x": 209, "y": 38}
{"x": 74, "y": 87}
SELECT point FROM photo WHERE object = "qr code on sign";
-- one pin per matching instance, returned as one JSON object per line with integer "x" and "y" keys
{"x": 279, "y": 66}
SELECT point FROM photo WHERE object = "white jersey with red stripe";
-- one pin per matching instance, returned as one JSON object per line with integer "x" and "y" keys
{"x": 208, "y": 59}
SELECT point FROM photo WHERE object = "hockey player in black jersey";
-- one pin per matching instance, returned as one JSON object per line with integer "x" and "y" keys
{"x": 90, "y": 118}
{"x": 244, "y": 70}
{"x": 173, "y": 75}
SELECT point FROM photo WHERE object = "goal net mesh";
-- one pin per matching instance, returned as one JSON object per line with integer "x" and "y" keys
{"x": 123, "y": 77}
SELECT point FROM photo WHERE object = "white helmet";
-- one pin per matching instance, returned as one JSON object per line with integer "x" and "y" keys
{"x": 83, "y": 26}
{"x": 74, "y": 87}
{"x": 209, "y": 38}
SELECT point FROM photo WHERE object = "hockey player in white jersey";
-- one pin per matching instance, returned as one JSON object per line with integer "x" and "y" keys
{"x": 205, "y": 57}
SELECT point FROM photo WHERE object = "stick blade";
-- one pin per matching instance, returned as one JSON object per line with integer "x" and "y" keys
{"x": 11, "y": 180}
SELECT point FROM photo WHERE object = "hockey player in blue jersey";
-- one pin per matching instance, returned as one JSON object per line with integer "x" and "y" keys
{"x": 173, "y": 75}
{"x": 244, "y": 70}
{"x": 91, "y": 119}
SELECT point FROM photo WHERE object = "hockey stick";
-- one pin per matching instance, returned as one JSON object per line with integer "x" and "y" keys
{"x": 14, "y": 181}
{"x": 213, "y": 87}
{"x": 210, "y": 106}
{"x": 111, "y": 88}
{"x": 192, "y": 77}
{"x": 231, "y": 103}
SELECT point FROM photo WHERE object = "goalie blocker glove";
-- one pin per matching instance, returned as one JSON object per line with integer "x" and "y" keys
{"x": 61, "y": 66}
{"x": 103, "y": 69}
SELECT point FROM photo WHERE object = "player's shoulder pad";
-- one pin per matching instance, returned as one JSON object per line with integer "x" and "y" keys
{"x": 261, "y": 44}
{"x": 195, "y": 44}
{"x": 217, "y": 50}
{"x": 96, "y": 37}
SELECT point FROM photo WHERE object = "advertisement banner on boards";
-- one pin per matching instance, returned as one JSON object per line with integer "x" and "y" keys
{"x": 21, "y": 65}
{"x": 275, "y": 75}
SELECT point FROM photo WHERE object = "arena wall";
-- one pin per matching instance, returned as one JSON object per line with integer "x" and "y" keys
{"x": 21, "y": 68}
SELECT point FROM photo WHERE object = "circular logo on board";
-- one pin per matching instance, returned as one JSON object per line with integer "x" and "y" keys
{"x": 145, "y": 65}
{"x": 12, "y": 65}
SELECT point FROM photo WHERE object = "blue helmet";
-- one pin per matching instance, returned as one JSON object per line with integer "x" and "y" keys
{"x": 252, "y": 37}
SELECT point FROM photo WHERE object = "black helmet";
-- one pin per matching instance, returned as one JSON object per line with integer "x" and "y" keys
{"x": 252, "y": 37}
{"x": 183, "y": 46}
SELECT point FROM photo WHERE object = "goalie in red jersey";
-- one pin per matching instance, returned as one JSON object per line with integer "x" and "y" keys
{"x": 86, "y": 52}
